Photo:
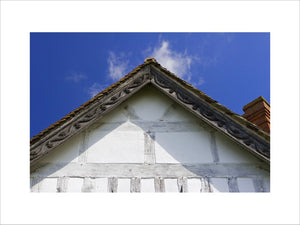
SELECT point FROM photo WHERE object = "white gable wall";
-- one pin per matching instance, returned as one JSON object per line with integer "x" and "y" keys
{"x": 150, "y": 143}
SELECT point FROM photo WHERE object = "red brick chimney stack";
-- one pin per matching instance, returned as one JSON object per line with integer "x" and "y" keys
{"x": 258, "y": 112}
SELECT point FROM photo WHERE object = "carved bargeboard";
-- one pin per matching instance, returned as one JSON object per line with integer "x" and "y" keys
{"x": 149, "y": 74}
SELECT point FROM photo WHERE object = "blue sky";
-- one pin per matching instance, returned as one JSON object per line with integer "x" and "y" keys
{"x": 67, "y": 69}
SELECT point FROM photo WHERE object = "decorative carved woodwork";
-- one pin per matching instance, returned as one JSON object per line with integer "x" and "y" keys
{"x": 173, "y": 89}
{"x": 42, "y": 147}
{"x": 233, "y": 128}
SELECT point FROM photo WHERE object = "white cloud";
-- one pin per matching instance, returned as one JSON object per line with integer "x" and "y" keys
{"x": 177, "y": 62}
{"x": 76, "y": 77}
{"x": 199, "y": 82}
{"x": 95, "y": 89}
{"x": 118, "y": 65}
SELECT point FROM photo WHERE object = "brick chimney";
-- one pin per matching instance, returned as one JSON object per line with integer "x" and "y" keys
{"x": 258, "y": 112}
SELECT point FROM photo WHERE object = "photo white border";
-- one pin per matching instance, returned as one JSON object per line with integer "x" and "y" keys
{"x": 19, "y": 18}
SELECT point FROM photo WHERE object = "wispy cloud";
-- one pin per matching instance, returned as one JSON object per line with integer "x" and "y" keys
{"x": 118, "y": 65}
{"x": 198, "y": 82}
{"x": 76, "y": 77}
{"x": 177, "y": 62}
{"x": 95, "y": 89}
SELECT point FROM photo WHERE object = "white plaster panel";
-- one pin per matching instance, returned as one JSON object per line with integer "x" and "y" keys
{"x": 150, "y": 104}
{"x": 147, "y": 185}
{"x": 123, "y": 185}
{"x": 231, "y": 152}
{"x": 245, "y": 185}
{"x": 94, "y": 185}
{"x": 183, "y": 147}
{"x": 116, "y": 147}
{"x": 171, "y": 185}
{"x": 48, "y": 185}
{"x": 219, "y": 184}
{"x": 116, "y": 115}
{"x": 176, "y": 113}
{"x": 67, "y": 152}
{"x": 194, "y": 184}
{"x": 101, "y": 184}
{"x": 74, "y": 184}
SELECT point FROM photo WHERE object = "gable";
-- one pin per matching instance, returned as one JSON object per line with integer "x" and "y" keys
{"x": 176, "y": 135}
{"x": 245, "y": 134}
{"x": 149, "y": 139}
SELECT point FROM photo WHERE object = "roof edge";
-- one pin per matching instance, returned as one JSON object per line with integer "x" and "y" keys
{"x": 217, "y": 114}
{"x": 219, "y": 119}
{"x": 79, "y": 109}
{"x": 223, "y": 109}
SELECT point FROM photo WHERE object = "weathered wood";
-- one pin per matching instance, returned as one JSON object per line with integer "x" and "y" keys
{"x": 62, "y": 183}
{"x": 88, "y": 185}
{"x": 149, "y": 143}
{"x": 112, "y": 184}
{"x": 135, "y": 184}
{"x": 159, "y": 184}
{"x": 154, "y": 170}
{"x": 213, "y": 147}
{"x": 205, "y": 185}
{"x": 82, "y": 158}
{"x": 89, "y": 115}
{"x": 156, "y": 126}
{"x": 190, "y": 100}
{"x": 232, "y": 184}
{"x": 182, "y": 184}
{"x": 254, "y": 143}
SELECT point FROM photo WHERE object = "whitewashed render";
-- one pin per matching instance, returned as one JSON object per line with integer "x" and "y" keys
{"x": 150, "y": 143}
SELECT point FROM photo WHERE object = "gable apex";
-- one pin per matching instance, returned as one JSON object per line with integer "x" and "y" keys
{"x": 151, "y": 72}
